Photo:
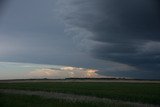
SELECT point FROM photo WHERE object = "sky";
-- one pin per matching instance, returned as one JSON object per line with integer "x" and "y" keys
{"x": 112, "y": 38}
{"x": 14, "y": 70}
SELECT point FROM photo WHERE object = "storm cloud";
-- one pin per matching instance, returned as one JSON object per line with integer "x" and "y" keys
{"x": 118, "y": 38}
{"x": 123, "y": 31}
{"x": 2, "y": 3}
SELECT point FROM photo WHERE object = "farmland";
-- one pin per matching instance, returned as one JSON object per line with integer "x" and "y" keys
{"x": 10, "y": 100}
{"x": 148, "y": 93}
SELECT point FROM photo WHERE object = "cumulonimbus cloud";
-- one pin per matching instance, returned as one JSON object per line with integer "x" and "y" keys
{"x": 64, "y": 72}
{"x": 126, "y": 31}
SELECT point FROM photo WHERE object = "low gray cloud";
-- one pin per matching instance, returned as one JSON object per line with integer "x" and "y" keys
{"x": 127, "y": 31}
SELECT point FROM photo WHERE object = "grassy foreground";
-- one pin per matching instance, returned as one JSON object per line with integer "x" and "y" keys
{"x": 11, "y": 100}
{"x": 135, "y": 92}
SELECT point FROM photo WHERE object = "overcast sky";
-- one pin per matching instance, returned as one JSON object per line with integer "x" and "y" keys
{"x": 115, "y": 37}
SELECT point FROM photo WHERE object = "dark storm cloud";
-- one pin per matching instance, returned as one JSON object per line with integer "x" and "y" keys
{"x": 129, "y": 30}
{"x": 113, "y": 36}
{"x": 2, "y": 3}
{"x": 31, "y": 31}
{"x": 137, "y": 27}
{"x": 130, "y": 20}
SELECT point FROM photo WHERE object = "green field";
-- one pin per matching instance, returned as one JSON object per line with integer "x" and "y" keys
{"x": 136, "y": 92}
{"x": 10, "y": 100}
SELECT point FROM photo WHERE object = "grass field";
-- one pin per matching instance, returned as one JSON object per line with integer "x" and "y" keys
{"x": 135, "y": 92}
{"x": 10, "y": 100}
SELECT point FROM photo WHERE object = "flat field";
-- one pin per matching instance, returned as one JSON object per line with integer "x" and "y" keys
{"x": 11, "y": 100}
{"x": 148, "y": 93}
